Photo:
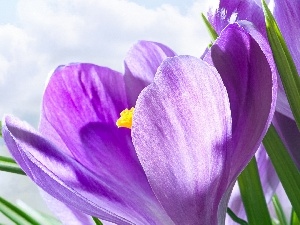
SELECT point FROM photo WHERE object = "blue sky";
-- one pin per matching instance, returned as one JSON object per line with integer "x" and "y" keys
{"x": 8, "y": 11}
{"x": 37, "y": 36}
{"x": 8, "y": 8}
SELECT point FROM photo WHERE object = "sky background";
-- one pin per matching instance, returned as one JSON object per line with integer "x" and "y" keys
{"x": 37, "y": 36}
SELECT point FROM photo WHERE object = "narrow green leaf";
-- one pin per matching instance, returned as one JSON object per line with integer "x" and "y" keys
{"x": 294, "y": 219}
{"x": 253, "y": 196}
{"x": 284, "y": 62}
{"x": 210, "y": 28}
{"x": 235, "y": 218}
{"x": 286, "y": 170}
{"x": 9, "y": 165}
{"x": 279, "y": 211}
{"x": 15, "y": 214}
{"x": 41, "y": 218}
{"x": 97, "y": 221}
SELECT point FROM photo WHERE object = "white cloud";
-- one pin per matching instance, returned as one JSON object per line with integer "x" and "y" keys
{"x": 51, "y": 33}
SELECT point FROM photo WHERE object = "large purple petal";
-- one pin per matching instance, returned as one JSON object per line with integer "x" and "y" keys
{"x": 118, "y": 199}
{"x": 80, "y": 107}
{"x": 230, "y": 11}
{"x": 76, "y": 95}
{"x": 141, "y": 64}
{"x": 243, "y": 58}
{"x": 181, "y": 131}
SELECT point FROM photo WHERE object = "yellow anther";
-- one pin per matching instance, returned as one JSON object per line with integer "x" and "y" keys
{"x": 125, "y": 119}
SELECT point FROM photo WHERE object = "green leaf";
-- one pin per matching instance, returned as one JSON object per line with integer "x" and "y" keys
{"x": 97, "y": 221}
{"x": 284, "y": 62}
{"x": 210, "y": 28}
{"x": 41, "y": 218}
{"x": 286, "y": 170}
{"x": 253, "y": 196}
{"x": 279, "y": 211}
{"x": 294, "y": 219}
{"x": 9, "y": 165}
{"x": 15, "y": 214}
{"x": 235, "y": 218}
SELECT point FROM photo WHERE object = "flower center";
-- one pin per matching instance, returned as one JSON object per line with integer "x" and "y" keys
{"x": 125, "y": 119}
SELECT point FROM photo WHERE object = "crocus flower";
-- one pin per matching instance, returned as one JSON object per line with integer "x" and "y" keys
{"x": 285, "y": 13}
{"x": 287, "y": 16}
{"x": 195, "y": 127}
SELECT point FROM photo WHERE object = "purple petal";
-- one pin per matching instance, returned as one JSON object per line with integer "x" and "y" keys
{"x": 289, "y": 134}
{"x": 66, "y": 214}
{"x": 77, "y": 96}
{"x": 244, "y": 61}
{"x": 80, "y": 107}
{"x": 230, "y": 11}
{"x": 287, "y": 16}
{"x": 181, "y": 131}
{"x": 141, "y": 64}
{"x": 269, "y": 181}
{"x": 282, "y": 104}
{"x": 122, "y": 200}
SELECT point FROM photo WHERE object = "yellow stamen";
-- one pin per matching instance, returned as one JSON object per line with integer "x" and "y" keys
{"x": 125, "y": 119}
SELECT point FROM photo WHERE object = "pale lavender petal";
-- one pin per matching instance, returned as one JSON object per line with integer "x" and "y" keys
{"x": 122, "y": 200}
{"x": 181, "y": 131}
{"x": 268, "y": 177}
{"x": 287, "y": 16}
{"x": 269, "y": 181}
{"x": 244, "y": 60}
{"x": 66, "y": 214}
{"x": 230, "y": 11}
{"x": 282, "y": 104}
{"x": 141, "y": 64}
{"x": 289, "y": 134}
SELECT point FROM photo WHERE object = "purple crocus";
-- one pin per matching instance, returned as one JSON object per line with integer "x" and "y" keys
{"x": 287, "y": 16}
{"x": 193, "y": 131}
{"x": 285, "y": 13}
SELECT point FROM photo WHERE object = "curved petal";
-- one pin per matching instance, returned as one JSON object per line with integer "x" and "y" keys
{"x": 141, "y": 64}
{"x": 243, "y": 58}
{"x": 78, "y": 94}
{"x": 287, "y": 16}
{"x": 80, "y": 107}
{"x": 115, "y": 199}
{"x": 181, "y": 131}
{"x": 230, "y": 11}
